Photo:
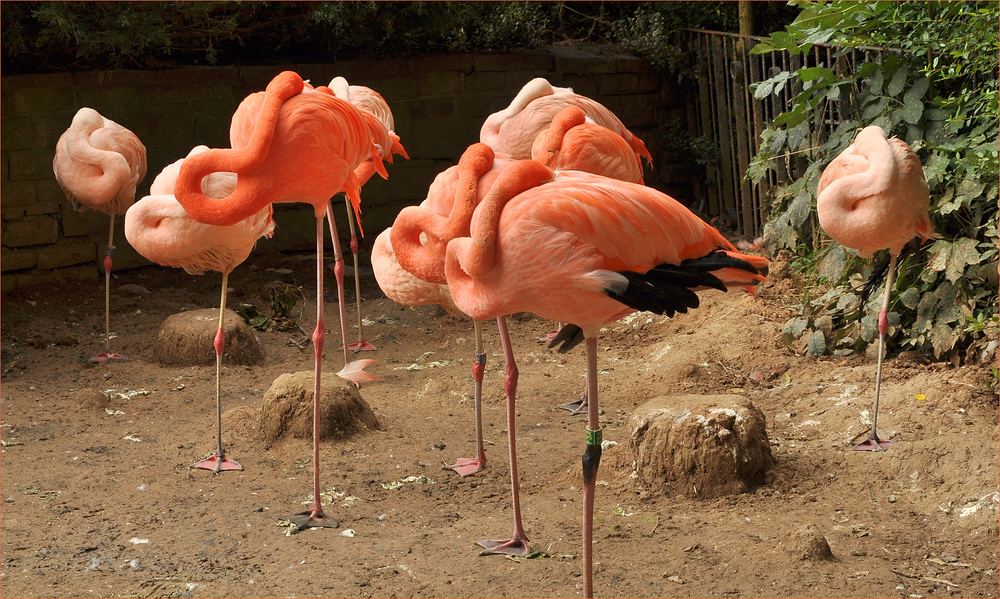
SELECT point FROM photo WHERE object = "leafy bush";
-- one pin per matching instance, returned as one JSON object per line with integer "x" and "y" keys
{"x": 937, "y": 90}
{"x": 44, "y": 36}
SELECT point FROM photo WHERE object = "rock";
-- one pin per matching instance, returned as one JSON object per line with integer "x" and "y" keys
{"x": 92, "y": 399}
{"x": 698, "y": 446}
{"x": 287, "y": 408}
{"x": 187, "y": 339}
{"x": 807, "y": 543}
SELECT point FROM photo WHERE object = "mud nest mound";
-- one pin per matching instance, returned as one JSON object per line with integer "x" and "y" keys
{"x": 287, "y": 408}
{"x": 188, "y": 339}
{"x": 699, "y": 446}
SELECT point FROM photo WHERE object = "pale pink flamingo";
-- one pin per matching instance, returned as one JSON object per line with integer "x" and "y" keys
{"x": 98, "y": 164}
{"x": 586, "y": 250}
{"x": 159, "y": 229}
{"x": 304, "y": 148}
{"x": 512, "y": 131}
{"x": 873, "y": 196}
{"x": 381, "y": 125}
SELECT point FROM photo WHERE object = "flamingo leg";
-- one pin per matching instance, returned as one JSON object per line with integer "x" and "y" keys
{"x": 467, "y": 466}
{"x": 107, "y": 355}
{"x": 314, "y": 516}
{"x": 361, "y": 344}
{"x": 517, "y": 545}
{"x": 218, "y": 461}
{"x": 338, "y": 273}
{"x": 591, "y": 463}
{"x": 873, "y": 443}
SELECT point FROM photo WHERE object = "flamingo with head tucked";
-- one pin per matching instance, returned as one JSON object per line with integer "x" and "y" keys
{"x": 420, "y": 234}
{"x": 586, "y": 250}
{"x": 512, "y": 131}
{"x": 874, "y": 196}
{"x": 381, "y": 125}
{"x": 159, "y": 229}
{"x": 304, "y": 148}
{"x": 98, "y": 164}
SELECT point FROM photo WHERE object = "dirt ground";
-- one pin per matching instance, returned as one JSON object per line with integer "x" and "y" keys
{"x": 98, "y": 500}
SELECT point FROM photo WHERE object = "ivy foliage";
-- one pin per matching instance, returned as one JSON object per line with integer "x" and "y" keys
{"x": 927, "y": 73}
{"x": 41, "y": 36}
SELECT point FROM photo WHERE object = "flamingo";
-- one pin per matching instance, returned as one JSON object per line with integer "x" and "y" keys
{"x": 304, "y": 148}
{"x": 511, "y": 132}
{"x": 586, "y": 250}
{"x": 871, "y": 197}
{"x": 378, "y": 116}
{"x": 98, "y": 164}
{"x": 159, "y": 229}
{"x": 569, "y": 143}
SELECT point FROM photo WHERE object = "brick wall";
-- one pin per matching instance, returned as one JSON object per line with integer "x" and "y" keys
{"x": 439, "y": 104}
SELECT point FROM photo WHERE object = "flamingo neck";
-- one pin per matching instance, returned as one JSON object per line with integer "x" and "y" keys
{"x": 247, "y": 198}
{"x": 427, "y": 262}
{"x": 480, "y": 257}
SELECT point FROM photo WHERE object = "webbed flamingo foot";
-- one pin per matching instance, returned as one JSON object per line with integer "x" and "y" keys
{"x": 873, "y": 443}
{"x": 312, "y": 518}
{"x": 217, "y": 462}
{"x": 106, "y": 356}
{"x": 517, "y": 546}
{"x": 361, "y": 345}
{"x": 466, "y": 466}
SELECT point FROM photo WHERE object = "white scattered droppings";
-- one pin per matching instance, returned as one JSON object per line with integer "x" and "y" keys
{"x": 138, "y": 541}
{"x": 349, "y": 533}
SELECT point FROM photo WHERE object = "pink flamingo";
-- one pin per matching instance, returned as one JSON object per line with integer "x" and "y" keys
{"x": 98, "y": 164}
{"x": 586, "y": 250}
{"x": 874, "y": 196}
{"x": 512, "y": 131}
{"x": 304, "y": 148}
{"x": 420, "y": 234}
{"x": 159, "y": 229}
{"x": 378, "y": 116}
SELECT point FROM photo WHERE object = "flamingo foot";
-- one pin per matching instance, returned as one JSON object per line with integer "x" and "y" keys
{"x": 312, "y": 518}
{"x": 518, "y": 547}
{"x": 361, "y": 345}
{"x": 217, "y": 463}
{"x": 578, "y": 407}
{"x": 466, "y": 466}
{"x": 546, "y": 339}
{"x": 105, "y": 356}
{"x": 873, "y": 443}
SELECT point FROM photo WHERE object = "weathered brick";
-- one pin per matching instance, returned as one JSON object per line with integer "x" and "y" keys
{"x": 37, "y": 100}
{"x": 484, "y": 81}
{"x": 533, "y": 60}
{"x": 8, "y": 283}
{"x": 19, "y": 133}
{"x": 16, "y": 259}
{"x": 18, "y": 193}
{"x": 29, "y": 165}
{"x": 435, "y": 84}
{"x": 88, "y": 222}
{"x": 296, "y": 228}
{"x": 36, "y": 230}
{"x": 66, "y": 253}
{"x": 42, "y": 207}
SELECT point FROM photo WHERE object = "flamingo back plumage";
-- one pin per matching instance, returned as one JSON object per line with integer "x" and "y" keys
{"x": 159, "y": 228}
{"x": 512, "y": 131}
{"x": 562, "y": 245}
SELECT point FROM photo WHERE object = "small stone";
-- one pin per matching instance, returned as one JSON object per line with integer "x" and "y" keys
{"x": 808, "y": 543}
